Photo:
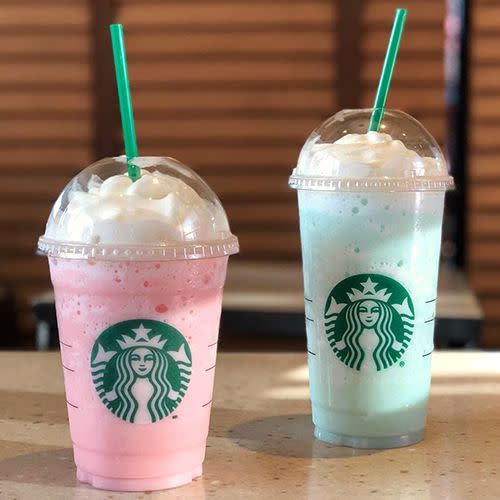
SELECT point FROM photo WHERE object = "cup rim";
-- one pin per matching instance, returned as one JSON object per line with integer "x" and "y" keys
{"x": 186, "y": 251}
{"x": 372, "y": 184}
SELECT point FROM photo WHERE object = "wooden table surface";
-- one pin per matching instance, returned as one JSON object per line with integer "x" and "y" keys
{"x": 261, "y": 444}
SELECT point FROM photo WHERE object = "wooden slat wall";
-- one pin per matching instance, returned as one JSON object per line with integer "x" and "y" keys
{"x": 230, "y": 87}
{"x": 484, "y": 162}
{"x": 45, "y": 128}
{"x": 233, "y": 88}
{"x": 418, "y": 83}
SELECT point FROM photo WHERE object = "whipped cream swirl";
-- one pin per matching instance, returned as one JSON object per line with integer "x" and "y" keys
{"x": 157, "y": 209}
{"x": 373, "y": 154}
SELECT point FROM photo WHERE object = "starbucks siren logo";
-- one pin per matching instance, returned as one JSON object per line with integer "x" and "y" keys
{"x": 141, "y": 369}
{"x": 369, "y": 320}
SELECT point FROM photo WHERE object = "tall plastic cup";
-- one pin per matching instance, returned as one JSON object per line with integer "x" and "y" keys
{"x": 138, "y": 271}
{"x": 371, "y": 208}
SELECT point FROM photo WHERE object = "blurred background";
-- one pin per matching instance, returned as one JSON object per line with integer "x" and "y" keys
{"x": 233, "y": 88}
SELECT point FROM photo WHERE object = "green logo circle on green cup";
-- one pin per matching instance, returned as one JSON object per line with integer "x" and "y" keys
{"x": 141, "y": 369}
{"x": 369, "y": 320}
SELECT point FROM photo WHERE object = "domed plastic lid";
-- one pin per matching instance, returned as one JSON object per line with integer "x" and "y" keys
{"x": 169, "y": 213}
{"x": 340, "y": 155}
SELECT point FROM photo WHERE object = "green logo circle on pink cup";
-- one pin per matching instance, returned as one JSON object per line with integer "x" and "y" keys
{"x": 141, "y": 369}
{"x": 369, "y": 321}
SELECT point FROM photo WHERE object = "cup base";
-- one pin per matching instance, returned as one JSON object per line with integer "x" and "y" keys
{"x": 149, "y": 484}
{"x": 368, "y": 442}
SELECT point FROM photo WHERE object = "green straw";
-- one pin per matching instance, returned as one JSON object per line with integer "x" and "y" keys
{"x": 126, "y": 112}
{"x": 387, "y": 70}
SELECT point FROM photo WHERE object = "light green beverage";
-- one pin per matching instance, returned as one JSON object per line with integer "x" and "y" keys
{"x": 370, "y": 218}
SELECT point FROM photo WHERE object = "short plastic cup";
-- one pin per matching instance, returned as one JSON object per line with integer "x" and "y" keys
{"x": 370, "y": 250}
{"x": 138, "y": 328}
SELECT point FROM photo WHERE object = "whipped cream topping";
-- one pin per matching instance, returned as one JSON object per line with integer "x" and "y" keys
{"x": 373, "y": 154}
{"x": 157, "y": 209}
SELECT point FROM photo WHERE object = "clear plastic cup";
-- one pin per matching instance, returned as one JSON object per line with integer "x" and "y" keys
{"x": 370, "y": 223}
{"x": 138, "y": 279}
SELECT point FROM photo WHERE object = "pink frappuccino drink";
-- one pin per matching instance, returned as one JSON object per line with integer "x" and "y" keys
{"x": 138, "y": 270}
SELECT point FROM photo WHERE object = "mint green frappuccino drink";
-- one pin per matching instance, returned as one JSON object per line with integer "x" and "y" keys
{"x": 371, "y": 207}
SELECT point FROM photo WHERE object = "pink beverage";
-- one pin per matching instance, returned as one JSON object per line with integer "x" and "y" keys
{"x": 138, "y": 324}
{"x": 91, "y": 296}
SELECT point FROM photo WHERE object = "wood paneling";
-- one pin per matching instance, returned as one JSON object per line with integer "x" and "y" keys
{"x": 274, "y": 213}
{"x": 43, "y": 102}
{"x": 189, "y": 44}
{"x": 426, "y": 12}
{"x": 38, "y": 15}
{"x": 16, "y": 271}
{"x": 19, "y": 243}
{"x": 485, "y": 107}
{"x": 489, "y": 337}
{"x": 403, "y": 97}
{"x": 485, "y": 79}
{"x": 42, "y": 158}
{"x": 485, "y": 133}
{"x": 417, "y": 41}
{"x": 15, "y": 215}
{"x": 45, "y": 74}
{"x": 32, "y": 186}
{"x": 266, "y": 129}
{"x": 45, "y": 127}
{"x": 484, "y": 197}
{"x": 47, "y": 45}
{"x": 231, "y": 159}
{"x": 484, "y": 225}
{"x": 485, "y": 254}
{"x": 491, "y": 309}
{"x": 483, "y": 165}
{"x": 484, "y": 160}
{"x": 233, "y": 101}
{"x": 419, "y": 68}
{"x": 279, "y": 245}
{"x": 153, "y": 74}
{"x": 410, "y": 72}
{"x": 233, "y": 89}
{"x": 486, "y": 281}
{"x": 484, "y": 48}
{"x": 216, "y": 15}
{"x": 486, "y": 18}
{"x": 74, "y": 131}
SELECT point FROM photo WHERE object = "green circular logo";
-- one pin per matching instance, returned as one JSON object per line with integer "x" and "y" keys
{"x": 141, "y": 369}
{"x": 369, "y": 321}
